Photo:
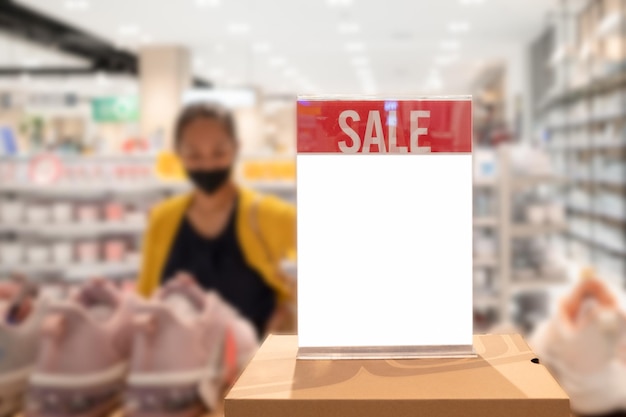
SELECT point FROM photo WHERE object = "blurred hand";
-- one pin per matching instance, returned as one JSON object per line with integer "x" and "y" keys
{"x": 588, "y": 288}
{"x": 185, "y": 278}
{"x": 8, "y": 291}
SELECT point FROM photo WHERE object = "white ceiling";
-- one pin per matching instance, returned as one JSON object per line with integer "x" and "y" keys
{"x": 319, "y": 46}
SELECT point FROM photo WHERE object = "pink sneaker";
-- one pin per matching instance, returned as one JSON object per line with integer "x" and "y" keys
{"x": 164, "y": 380}
{"x": 82, "y": 364}
{"x": 21, "y": 315}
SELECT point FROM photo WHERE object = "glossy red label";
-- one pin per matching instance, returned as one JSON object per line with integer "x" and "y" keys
{"x": 385, "y": 126}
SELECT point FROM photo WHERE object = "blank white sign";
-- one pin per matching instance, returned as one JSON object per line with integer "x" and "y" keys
{"x": 384, "y": 250}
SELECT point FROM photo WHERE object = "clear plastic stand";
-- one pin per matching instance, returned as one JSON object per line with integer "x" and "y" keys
{"x": 384, "y": 227}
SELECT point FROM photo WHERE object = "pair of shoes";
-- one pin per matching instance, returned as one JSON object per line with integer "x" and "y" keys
{"x": 21, "y": 315}
{"x": 169, "y": 356}
{"x": 187, "y": 346}
{"x": 83, "y": 358}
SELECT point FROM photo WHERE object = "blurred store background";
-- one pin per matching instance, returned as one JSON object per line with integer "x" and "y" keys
{"x": 89, "y": 90}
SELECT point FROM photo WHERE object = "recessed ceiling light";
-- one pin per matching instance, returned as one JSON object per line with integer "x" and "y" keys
{"x": 76, "y": 4}
{"x": 360, "y": 61}
{"x": 348, "y": 28}
{"x": 31, "y": 62}
{"x": 277, "y": 61}
{"x": 128, "y": 30}
{"x": 355, "y": 46}
{"x": 290, "y": 72}
{"x": 215, "y": 73}
{"x": 450, "y": 45}
{"x": 198, "y": 63}
{"x": 445, "y": 60}
{"x": 102, "y": 79}
{"x": 364, "y": 72}
{"x": 238, "y": 28}
{"x": 339, "y": 3}
{"x": 207, "y": 3}
{"x": 458, "y": 27}
{"x": 233, "y": 81}
{"x": 145, "y": 39}
{"x": 261, "y": 47}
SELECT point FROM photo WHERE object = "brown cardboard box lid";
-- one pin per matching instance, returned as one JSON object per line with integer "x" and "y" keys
{"x": 501, "y": 381}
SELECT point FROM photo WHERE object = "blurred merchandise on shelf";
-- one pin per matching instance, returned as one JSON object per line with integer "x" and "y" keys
{"x": 219, "y": 342}
{"x": 22, "y": 314}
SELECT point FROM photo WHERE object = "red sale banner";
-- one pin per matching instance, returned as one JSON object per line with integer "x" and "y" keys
{"x": 384, "y": 126}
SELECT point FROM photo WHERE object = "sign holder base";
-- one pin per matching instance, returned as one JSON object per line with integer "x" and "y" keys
{"x": 385, "y": 352}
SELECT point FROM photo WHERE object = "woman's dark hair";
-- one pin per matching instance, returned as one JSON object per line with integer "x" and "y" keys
{"x": 209, "y": 111}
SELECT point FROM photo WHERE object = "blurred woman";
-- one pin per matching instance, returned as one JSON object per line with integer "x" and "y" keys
{"x": 229, "y": 238}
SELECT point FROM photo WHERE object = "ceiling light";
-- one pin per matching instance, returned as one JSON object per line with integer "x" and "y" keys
{"x": 31, "y": 62}
{"x": 348, "y": 28}
{"x": 277, "y": 61}
{"x": 145, "y": 39}
{"x": 290, "y": 72}
{"x": 370, "y": 89}
{"x": 458, "y": 27}
{"x": 128, "y": 30}
{"x": 207, "y": 3}
{"x": 261, "y": 47}
{"x": 215, "y": 73}
{"x": 339, "y": 3}
{"x": 238, "y": 28}
{"x": 198, "y": 63}
{"x": 76, "y": 4}
{"x": 364, "y": 72}
{"x": 360, "y": 61}
{"x": 101, "y": 79}
{"x": 446, "y": 60}
{"x": 233, "y": 81}
{"x": 355, "y": 46}
{"x": 450, "y": 45}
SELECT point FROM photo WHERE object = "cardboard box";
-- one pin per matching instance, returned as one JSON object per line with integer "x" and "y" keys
{"x": 502, "y": 381}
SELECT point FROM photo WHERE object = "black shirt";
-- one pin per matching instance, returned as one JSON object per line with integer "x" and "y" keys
{"x": 218, "y": 264}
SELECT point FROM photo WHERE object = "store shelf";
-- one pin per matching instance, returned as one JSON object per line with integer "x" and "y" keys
{"x": 602, "y": 246}
{"x": 538, "y": 283}
{"x": 75, "y": 271}
{"x": 527, "y": 181}
{"x": 75, "y": 229}
{"x": 577, "y": 123}
{"x": 272, "y": 187}
{"x": 531, "y": 230}
{"x": 600, "y": 85}
{"x": 485, "y": 183}
{"x": 486, "y": 300}
{"x": 598, "y": 214}
{"x": 586, "y": 147}
{"x": 485, "y": 221}
{"x": 484, "y": 262}
{"x": 95, "y": 189}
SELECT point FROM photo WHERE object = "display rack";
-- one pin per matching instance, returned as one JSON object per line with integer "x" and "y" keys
{"x": 138, "y": 192}
{"x": 581, "y": 119}
{"x": 499, "y": 296}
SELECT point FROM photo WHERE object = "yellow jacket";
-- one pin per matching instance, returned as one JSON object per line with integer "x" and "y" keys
{"x": 266, "y": 230}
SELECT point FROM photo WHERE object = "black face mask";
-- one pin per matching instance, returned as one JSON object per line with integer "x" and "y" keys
{"x": 209, "y": 181}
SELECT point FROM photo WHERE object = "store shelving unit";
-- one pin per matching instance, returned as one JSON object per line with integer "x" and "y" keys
{"x": 500, "y": 295}
{"x": 582, "y": 121}
{"x": 138, "y": 193}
